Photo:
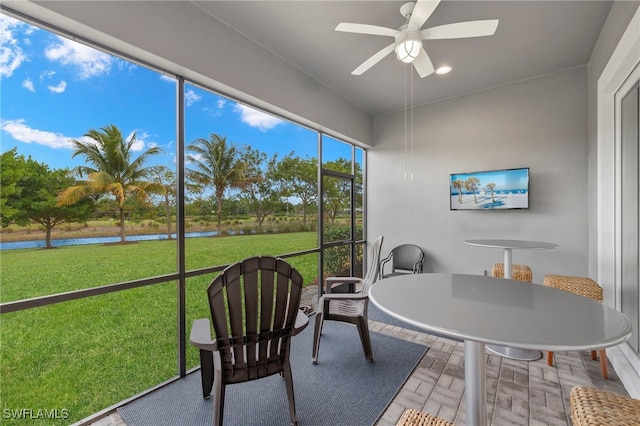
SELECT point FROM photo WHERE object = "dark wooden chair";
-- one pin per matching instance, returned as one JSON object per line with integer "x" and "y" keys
{"x": 348, "y": 307}
{"x": 255, "y": 311}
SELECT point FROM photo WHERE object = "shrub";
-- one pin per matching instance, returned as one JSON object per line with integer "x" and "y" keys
{"x": 336, "y": 260}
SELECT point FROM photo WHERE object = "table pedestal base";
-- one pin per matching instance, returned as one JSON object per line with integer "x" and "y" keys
{"x": 475, "y": 387}
{"x": 515, "y": 353}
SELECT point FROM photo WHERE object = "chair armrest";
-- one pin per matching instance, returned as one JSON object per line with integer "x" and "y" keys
{"x": 201, "y": 335}
{"x": 331, "y": 281}
{"x": 345, "y": 296}
{"x": 384, "y": 262}
{"x": 302, "y": 321}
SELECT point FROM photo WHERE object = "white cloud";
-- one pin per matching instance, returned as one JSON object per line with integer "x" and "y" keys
{"x": 143, "y": 141}
{"x": 11, "y": 54}
{"x": 255, "y": 118}
{"x": 191, "y": 97}
{"x": 124, "y": 65}
{"x": 90, "y": 62}
{"x": 216, "y": 112}
{"x": 59, "y": 88}
{"x": 193, "y": 158}
{"x": 22, "y": 132}
{"x": 46, "y": 74}
{"x": 28, "y": 84}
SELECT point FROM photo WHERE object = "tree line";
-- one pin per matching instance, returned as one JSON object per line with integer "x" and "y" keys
{"x": 215, "y": 168}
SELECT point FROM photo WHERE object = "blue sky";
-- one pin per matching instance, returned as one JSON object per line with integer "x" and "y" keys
{"x": 53, "y": 90}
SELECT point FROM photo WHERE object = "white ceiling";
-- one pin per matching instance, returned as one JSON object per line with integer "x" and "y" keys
{"x": 533, "y": 38}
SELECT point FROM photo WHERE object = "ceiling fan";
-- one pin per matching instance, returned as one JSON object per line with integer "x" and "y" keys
{"x": 408, "y": 38}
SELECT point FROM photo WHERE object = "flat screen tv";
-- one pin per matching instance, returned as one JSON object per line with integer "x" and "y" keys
{"x": 505, "y": 189}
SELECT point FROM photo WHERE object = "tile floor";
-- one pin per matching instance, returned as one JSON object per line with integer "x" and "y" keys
{"x": 518, "y": 392}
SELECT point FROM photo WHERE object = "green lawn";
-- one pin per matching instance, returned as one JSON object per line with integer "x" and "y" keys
{"x": 82, "y": 356}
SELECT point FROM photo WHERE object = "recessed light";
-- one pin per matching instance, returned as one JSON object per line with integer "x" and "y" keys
{"x": 444, "y": 69}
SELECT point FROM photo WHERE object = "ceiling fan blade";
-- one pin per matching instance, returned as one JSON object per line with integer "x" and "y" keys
{"x": 366, "y": 29}
{"x": 374, "y": 59}
{"x": 423, "y": 64}
{"x": 461, "y": 30}
{"x": 421, "y": 12}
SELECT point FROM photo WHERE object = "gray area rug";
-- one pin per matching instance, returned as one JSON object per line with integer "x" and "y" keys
{"x": 342, "y": 389}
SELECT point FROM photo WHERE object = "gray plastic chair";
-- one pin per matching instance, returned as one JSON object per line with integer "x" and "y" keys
{"x": 405, "y": 258}
{"x": 255, "y": 311}
{"x": 349, "y": 307}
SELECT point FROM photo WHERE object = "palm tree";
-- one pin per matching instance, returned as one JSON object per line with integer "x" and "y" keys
{"x": 110, "y": 168}
{"x": 471, "y": 184}
{"x": 491, "y": 186}
{"x": 217, "y": 165}
{"x": 163, "y": 183}
{"x": 458, "y": 184}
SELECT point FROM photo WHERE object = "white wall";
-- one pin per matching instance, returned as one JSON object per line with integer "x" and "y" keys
{"x": 540, "y": 124}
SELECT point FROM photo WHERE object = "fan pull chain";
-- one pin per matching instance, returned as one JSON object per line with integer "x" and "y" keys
{"x": 408, "y": 122}
{"x": 406, "y": 137}
{"x": 411, "y": 72}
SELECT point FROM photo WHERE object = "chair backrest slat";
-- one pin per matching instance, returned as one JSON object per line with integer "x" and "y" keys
{"x": 289, "y": 275}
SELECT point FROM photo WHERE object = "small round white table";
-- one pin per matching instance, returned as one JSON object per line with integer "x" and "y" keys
{"x": 483, "y": 310}
{"x": 507, "y": 246}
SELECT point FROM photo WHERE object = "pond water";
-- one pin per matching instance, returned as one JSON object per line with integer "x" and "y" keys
{"x": 14, "y": 245}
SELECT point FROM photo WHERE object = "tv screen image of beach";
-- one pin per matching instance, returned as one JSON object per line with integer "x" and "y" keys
{"x": 490, "y": 190}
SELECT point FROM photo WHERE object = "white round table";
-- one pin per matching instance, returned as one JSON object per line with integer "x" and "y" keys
{"x": 507, "y": 246}
{"x": 486, "y": 310}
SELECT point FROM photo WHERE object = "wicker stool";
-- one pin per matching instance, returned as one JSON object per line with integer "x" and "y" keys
{"x": 518, "y": 272}
{"x": 591, "y": 407}
{"x": 413, "y": 417}
{"x": 584, "y": 287}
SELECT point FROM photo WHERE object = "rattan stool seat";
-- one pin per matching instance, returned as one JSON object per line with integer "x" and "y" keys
{"x": 581, "y": 286}
{"x": 591, "y": 407}
{"x": 518, "y": 272}
{"x": 413, "y": 417}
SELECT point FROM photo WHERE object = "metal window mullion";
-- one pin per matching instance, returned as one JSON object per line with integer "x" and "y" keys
{"x": 180, "y": 232}
{"x": 320, "y": 209}
{"x": 352, "y": 204}
{"x": 365, "y": 216}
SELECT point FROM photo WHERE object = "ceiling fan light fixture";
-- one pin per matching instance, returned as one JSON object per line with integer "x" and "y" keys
{"x": 408, "y": 38}
{"x": 408, "y": 48}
